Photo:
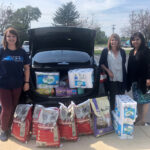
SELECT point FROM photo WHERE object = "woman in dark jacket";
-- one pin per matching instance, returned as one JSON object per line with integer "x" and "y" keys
{"x": 113, "y": 61}
{"x": 138, "y": 75}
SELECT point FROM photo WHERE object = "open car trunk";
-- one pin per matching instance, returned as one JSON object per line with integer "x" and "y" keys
{"x": 53, "y": 100}
{"x": 59, "y": 50}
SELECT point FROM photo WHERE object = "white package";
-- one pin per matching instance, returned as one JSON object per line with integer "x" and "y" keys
{"x": 123, "y": 129}
{"x": 126, "y": 108}
{"x": 81, "y": 78}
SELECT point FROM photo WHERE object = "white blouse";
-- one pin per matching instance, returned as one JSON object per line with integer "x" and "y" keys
{"x": 115, "y": 65}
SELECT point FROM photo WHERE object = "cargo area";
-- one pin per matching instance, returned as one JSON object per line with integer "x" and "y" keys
{"x": 61, "y": 91}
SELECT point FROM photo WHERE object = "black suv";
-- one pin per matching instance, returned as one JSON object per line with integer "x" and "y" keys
{"x": 58, "y": 50}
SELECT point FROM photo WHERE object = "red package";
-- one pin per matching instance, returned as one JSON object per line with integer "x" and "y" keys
{"x": 22, "y": 122}
{"x": 48, "y": 133}
{"x": 48, "y": 136}
{"x": 35, "y": 118}
{"x": 83, "y": 118}
{"x": 67, "y": 125}
{"x": 84, "y": 126}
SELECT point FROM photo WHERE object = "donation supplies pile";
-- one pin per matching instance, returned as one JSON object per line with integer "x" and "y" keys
{"x": 72, "y": 83}
{"x": 124, "y": 116}
{"x": 50, "y": 125}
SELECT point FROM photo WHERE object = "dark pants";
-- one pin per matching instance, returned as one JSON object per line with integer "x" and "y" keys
{"x": 114, "y": 89}
{"x": 9, "y": 100}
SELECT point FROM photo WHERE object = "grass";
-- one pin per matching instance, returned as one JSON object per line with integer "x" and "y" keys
{"x": 98, "y": 52}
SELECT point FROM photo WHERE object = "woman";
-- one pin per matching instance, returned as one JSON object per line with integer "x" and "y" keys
{"x": 138, "y": 75}
{"x": 14, "y": 75}
{"x": 113, "y": 61}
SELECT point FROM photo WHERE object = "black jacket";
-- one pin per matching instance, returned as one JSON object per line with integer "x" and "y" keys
{"x": 142, "y": 69}
{"x": 103, "y": 60}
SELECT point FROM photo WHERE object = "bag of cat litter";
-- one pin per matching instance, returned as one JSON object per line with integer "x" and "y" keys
{"x": 22, "y": 122}
{"x": 67, "y": 124}
{"x": 101, "y": 116}
{"x": 48, "y": 132}
{"x": 83, "y": 118}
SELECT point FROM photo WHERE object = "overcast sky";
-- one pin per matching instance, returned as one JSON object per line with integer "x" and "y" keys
{"x": 104, "y": 12}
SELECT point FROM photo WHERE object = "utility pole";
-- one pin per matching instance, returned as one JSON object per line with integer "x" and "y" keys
{"x": 113, "y": 28}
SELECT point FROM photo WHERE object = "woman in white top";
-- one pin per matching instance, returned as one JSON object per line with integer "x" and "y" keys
{"x": 113, "y": 61}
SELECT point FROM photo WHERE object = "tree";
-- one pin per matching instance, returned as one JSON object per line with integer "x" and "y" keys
{"x": 5, "y": 14}
{"x": 100, "y": 38}
{"x": 66, "y": 15}
{"x": 21, "y": 20}
{"x": 138, "y": 21}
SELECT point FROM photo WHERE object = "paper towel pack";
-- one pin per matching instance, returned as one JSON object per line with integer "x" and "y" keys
{"x": 122, "y": 128}
{"x": 125, "y": 108}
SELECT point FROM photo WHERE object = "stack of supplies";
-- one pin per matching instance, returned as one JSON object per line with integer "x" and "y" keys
{"x": 124, "y": 116}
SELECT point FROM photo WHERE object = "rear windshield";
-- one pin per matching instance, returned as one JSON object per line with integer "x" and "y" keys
{"x": 26, "y": 43}
{"x": 56, "y": 56}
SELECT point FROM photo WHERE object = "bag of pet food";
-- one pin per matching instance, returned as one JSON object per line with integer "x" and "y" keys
{"x": 101, "y": 116}
{"x": 36, "y": 113}
{"x": 83, "y": 118}
{"x": 48, "y": 132}
{"x": 67, "y": 124}
{"x": 22, "y": 122}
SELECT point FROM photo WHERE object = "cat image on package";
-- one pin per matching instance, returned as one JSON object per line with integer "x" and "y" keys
{"x": 101, "y": 115}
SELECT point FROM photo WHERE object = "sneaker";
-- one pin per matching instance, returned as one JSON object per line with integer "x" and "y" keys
{"x": 8, "y": 133}
{"x": 3, "y": 136}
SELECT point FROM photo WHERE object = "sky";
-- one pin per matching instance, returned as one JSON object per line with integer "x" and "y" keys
{"x": 104, "y": 13}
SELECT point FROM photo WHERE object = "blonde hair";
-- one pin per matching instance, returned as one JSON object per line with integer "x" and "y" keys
{"x": 116, "y": 36}
{"x": 14, "y": 32}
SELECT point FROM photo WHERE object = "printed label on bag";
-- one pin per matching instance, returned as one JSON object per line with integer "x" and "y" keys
{"x": 22, "y": 129}
{"x": 55, "y": 134}
{"x": 73, "y": 129}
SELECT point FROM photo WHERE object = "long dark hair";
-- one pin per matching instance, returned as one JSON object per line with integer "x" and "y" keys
{"x": 140, "y": 35}
{"x": 14, "y": 32}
